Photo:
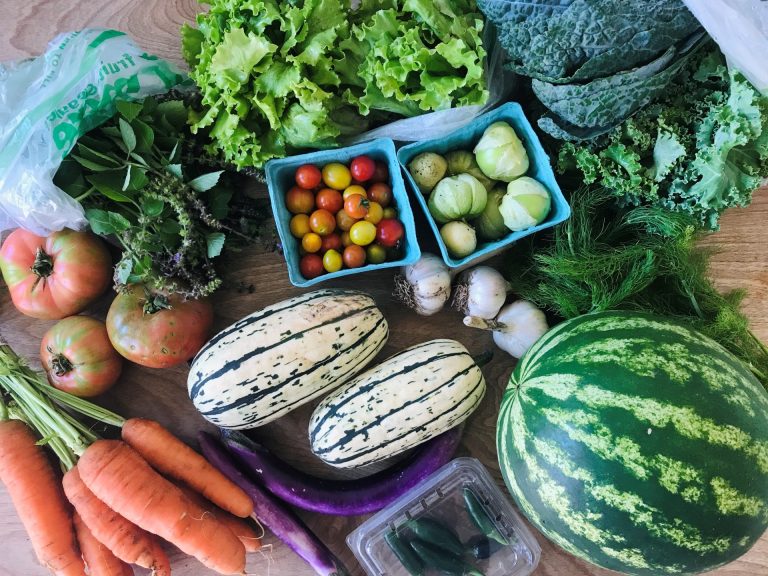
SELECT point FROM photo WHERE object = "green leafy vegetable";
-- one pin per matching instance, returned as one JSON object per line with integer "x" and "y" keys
{"x": 645, "y": 259}
{"x": 278, "y": 77}
{"x": 699, "y": 150}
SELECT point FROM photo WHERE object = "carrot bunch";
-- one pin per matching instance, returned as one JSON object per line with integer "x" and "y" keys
{"x": 126, "y": 494}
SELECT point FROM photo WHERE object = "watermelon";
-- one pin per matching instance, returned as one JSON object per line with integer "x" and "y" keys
{"x": 637, "y": 444}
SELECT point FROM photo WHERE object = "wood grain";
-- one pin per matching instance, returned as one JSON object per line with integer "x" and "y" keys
{"x": 25, "y": 29}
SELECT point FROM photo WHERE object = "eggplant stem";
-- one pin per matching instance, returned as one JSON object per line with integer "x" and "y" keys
{"x": 483, "y": 324}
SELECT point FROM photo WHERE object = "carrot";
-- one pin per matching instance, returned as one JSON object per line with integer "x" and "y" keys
{"x": 121, "y": 478}
{"x": 98, "y": 558}
{"x": 239, "y": 526}
{"x": 170, "y": 456}
{"x": 38, "y": 499}
{"x": 124, "y": 539}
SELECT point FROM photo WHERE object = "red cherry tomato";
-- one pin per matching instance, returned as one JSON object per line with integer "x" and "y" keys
{"x": 356, "y": 206}
{"x": 299, "y": 200}
{"x": 329, "y": 199}
{"x": 311, "y": 266}
{"x": 331, "y": 242}
{"x": 389, "y": 232}
{"x": 381, "y": 193}
{"x": 381, "y": 173}
{"x": 308, "y": 176}
{"x": 362, "y": 168}
{"x": 354, "y": 256}
{"x": 322, "y": 222}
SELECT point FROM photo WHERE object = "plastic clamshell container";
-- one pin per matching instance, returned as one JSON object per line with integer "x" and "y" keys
{"x": 280, "y": 178}
{"x": 441, "y": 498}
{"x": 466, "y": 138}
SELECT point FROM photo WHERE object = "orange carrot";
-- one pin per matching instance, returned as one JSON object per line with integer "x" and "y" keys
{"x": 98, "y": 558}
{"x": 121, "y": 478}
{"x": 170, "y": 456}
{"x": 124, "y": 539}
{"x": 239, "y": 526}
{"x": 38, "y": 499}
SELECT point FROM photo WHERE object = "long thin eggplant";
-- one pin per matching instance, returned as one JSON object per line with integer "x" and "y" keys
{"x": 341, "y": 497}
{"x": 273, "y": 514}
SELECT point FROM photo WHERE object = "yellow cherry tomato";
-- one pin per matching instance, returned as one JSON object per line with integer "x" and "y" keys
{"x": 376, "y": 253}
{"x": 311, "y": 242}
{"x": 375, "y": 213}
{"x": 362, "y": 233}
{"x": 299, "y": 225}
{"x": 354, "y": 189}
{"x": 332, "y": 261}
{"x": 390, "y": 212}
{"x": 336, "y": 176}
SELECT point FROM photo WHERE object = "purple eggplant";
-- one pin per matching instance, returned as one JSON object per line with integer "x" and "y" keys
{"x": 341, "y": 497}
{"x": 273, "y": 514}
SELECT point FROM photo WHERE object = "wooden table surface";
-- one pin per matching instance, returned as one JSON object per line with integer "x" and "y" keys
{"x": 25, "y": 28}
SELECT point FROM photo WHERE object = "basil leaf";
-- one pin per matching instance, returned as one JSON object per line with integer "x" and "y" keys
{"x": 152, "y": 207}
{"x": 123, "y": 270}
{"x": 105, "y": 223}
{"x": 129, "y": 110}
{"x": 128, "y": 135}
{"x": 215, "y": 242}
{"x": 205, "y": 182}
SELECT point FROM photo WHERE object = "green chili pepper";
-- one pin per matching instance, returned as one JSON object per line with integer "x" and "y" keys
{"x": 410, "y": 561}
{"x": 481, "y": 518}
{"x": 483, "y": 547}
{"x": 438, "y": 535}
{"x": 437, "y": 558}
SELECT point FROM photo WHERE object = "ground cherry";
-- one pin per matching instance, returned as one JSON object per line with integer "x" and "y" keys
{"x": 311, "y": 242}
{"x": 355, "y": 189}
{"x": 356, "y": 206}
{"x": 362, "y": 233}
{"x": 308, "y": 176}
{"x": 311, "y": 266}
{"x": 389, "y": 232}
{"x": 390, "y": 212}
{"x": 354, "y": 256}
{"x": 299, "y": 225}
{"x": 331, "y": 242}
{"x": 376, "y": 253}
{"x": 299, "y": 200}
{"x": 329, "y": 199}
{"x": 375, "y": 213}
{"x": 362, "y": 168}
{"x": 345, "y": 239}
{"x": 332, "y": 261}
{"x": 344, "y": 221}
{"x": 336, "y": 176}
{"x": 381, "y": 173}
{"x": 381, "y": 193}
{"x": 322, "y": 222}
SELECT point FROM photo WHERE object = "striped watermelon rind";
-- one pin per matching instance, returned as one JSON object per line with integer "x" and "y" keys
{"x": 638, "y": 444}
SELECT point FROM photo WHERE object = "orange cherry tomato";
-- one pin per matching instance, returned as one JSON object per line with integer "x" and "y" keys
{"x": 344, "y": 221}
{"x": 322, "y": 222}
{"x": 354, "y": 256}
{"x": 356, "y": 206}
{"x": 311, "y": 242}
{"x": 329, "y": 199}
{"x": 299, "y": 225}
{"x": 299, "y": 200}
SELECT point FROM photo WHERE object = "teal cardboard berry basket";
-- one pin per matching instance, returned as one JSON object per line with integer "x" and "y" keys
{"x": 280, "y": 178}
{"x": 465, "y": 139}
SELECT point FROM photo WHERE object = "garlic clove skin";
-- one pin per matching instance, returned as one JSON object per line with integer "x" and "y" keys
{"x": 480, "y": 292}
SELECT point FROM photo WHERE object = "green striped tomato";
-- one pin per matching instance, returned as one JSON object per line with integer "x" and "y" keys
{"x": 638, "y": 444}
{"x": 78, "y": 357}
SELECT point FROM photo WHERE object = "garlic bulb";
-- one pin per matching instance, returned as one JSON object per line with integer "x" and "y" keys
{"x": 480, "y": 292}
{"x": 425, "y": 285}
{"x": 516, "y": 328}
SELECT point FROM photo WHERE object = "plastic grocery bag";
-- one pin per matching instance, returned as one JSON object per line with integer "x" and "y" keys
{"x": 442, "y": 122}
{"x": 47, "y": 102}
{"x": 740, "y": 28}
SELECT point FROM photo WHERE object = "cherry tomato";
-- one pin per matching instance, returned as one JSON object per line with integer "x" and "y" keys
{"x": 308, "y": 176}
{"x": 345, "y": 239}
{"x": 390, "y": 212}
{"x": 381, "y": 173}
{"x": 329, "y": 199}
{"x": 376, "y": 253}
{"x": 331, "y": 242}
{"x": 355, "y": 189}
{"x": 78, "y": 356}
{"x": 362, "y": 233}
{"x": 354, "y": 256}
{"x": 336, "y": 176}
{"x": 311, "y": 242}
{"x": 344, "y": 221}
{"x": 362, "y": 168}
{"x": 322, "y": 222}
{"x": 381, "y": 193}
{"x": 375, "y": 213}
{"x": 332, "y": 261}
{"x": 356, "y": 206}
{"x": 299, "y": 225}
{"x": 311, "y": 266}
{"x": 299, "y": 200}
{"x": 389, "y": 232}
